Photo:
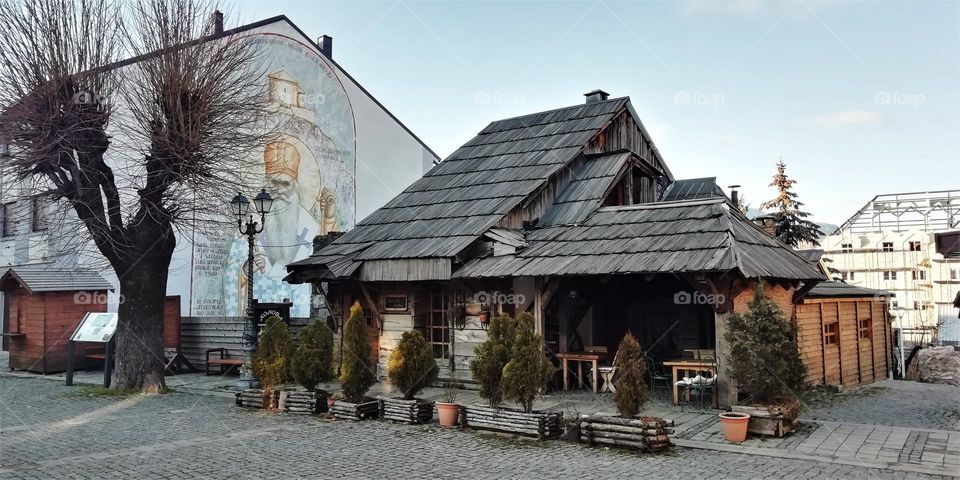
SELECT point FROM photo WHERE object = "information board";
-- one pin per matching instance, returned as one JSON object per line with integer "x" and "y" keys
{"x": 96, "y": 327}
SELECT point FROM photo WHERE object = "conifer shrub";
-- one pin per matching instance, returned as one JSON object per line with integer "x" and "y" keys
{"x": 630, "y": 377}
{"x": 528, "y": 370}
{"x": 491, "y": 356}
{"x": 764, "y": 358}
{"x": 411, "y": 367}
{"x": 312, "y": 362}
{"x": 356, "y": 375}
{"x": 271, "y": 362}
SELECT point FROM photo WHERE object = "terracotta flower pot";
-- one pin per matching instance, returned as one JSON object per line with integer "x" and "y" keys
{"x": 330, "y": 402}
{"x": 449, "y": 413}
{"x": 735, "y": 426}
{"x": 484, "y": 317}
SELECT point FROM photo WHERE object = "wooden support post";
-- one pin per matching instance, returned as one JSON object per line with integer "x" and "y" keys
{"x": 108, "y": 363}
{"x": 726, "y": 390}
{"x": 71, "y": 351}
{"x": 372, "y": 306}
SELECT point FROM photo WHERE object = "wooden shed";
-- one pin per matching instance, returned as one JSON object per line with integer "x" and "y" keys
{"x": 43, "y": 306}
{"x": 844, "y": 335}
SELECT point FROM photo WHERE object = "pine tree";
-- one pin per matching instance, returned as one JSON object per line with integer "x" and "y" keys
{"x": 527, "y": 372}
{"x": 792, "y": 225}
{"x": 630, "y": 375}
{"x": 491, "y": 356}
{"x": 412, "y": 366}
{"x": 312, "y": 362}
{"x": 764, "y": 358}
{"x": 271, "y": 362}
{"x": 356, "y": 377}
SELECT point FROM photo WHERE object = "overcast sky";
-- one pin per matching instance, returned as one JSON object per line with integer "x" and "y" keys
{"x": 858, "y": 97}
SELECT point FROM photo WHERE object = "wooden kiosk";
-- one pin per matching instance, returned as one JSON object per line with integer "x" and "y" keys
{"x": 43, "y": 305}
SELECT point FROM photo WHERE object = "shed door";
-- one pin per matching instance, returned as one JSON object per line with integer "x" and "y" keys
{"x": 831, "y": 343}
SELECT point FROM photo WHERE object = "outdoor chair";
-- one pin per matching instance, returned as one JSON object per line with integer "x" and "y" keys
{"x": 658, "y": 378}
{"x": 607, "y": 374}
{"x": 705, "y": 388}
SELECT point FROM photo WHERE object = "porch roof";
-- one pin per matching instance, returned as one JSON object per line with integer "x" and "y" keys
{"x": 680, "y": 237}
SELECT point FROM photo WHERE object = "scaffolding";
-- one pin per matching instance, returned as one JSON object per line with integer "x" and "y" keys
{"x": 926, "y": 211}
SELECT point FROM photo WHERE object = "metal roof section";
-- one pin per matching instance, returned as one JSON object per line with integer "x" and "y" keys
{"x": 693, "y": 189}
{"x": 840, "y": 289}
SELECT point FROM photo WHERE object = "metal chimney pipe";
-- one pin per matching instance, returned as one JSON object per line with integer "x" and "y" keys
{"x": 734, "y": 195}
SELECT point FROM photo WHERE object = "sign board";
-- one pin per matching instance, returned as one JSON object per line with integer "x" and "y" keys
{"x": 96, "y": 327}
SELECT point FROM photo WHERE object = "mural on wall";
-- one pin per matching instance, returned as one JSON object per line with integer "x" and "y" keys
{"x": 308, "y": 167}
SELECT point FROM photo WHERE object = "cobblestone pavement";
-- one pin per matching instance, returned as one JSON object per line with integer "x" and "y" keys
{"x": 895, "y": 403}
{"x": 47, "y": 431}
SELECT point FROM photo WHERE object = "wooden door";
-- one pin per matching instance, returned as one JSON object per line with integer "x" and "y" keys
{"x": 831, "y": 343}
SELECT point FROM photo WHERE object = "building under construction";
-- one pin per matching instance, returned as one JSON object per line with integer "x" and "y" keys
{"x": 891, "y": 244}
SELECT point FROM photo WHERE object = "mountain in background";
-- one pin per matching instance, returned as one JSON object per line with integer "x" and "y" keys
{"x": 826, "y": 228}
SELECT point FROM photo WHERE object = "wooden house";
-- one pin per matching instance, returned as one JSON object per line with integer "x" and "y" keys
{"x": 571, "y": 215}
{"x": 44, "y": 305}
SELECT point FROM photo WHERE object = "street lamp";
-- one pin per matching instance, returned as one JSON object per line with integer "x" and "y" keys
{"x": 240, "y": 206}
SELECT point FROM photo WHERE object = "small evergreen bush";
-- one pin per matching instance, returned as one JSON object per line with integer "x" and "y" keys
{"x": 490, "y": 358}
{"x": 764, "y": 359}
{"x": 528, "y": 370}
{"x": 271, "y": 362}
{"x": 412, "y": 367}
{"x": 630, "y": 377}
{"x": 356, "y": 377}
{"x": 312, "y": 362}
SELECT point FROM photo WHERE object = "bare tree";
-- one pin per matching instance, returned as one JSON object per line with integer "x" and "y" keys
{"x": 136, "y": 148}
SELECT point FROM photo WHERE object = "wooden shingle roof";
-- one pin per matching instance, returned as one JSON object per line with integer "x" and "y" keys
{"x": 690, "y": 236}
{"x": 45, "y": 278}
{"x": 459, "y": 199}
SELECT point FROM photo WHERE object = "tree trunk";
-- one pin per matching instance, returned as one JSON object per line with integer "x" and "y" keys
{"x": 139, "y": 340}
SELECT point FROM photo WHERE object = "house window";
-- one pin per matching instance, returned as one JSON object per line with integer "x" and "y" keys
{"x": 39, "y": 214}
{"x": 890, "y": 275}
{"x": 438, "y": 326}
{"x": 918, "y": 305}
{"x": 887, "y": 246}
{"x": 865, "y": 328}
{"x": 894, "y": 304}
{"x": 914, "y": 246}
{"x": 395, "y": 303}
{"x": 846, "y": 248}
{"x": 846, "y": 276}
{"x": 919, "y": 274}
{"x": 7, "y": 222}
{"x": 831, "y": 333}
{"x": 954, "y": 273}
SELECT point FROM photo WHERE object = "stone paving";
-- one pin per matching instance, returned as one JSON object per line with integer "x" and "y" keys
{"x": 895, "y": 403}
{"x": 47, "y": 430}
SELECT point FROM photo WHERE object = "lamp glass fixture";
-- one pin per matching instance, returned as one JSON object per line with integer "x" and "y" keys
{"x": 263, "y": 201}
{"x": 240, "y": 205}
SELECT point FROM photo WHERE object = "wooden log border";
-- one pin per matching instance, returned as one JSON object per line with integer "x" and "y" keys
{"x": 367, "y": 409}
{"x": 414, "y": 411}
{"x": 643, "y": 434}
{"x": 542, "y": 425}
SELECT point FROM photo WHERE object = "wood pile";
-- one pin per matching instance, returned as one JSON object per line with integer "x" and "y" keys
{"x": 770, "y": 421}
{"x": 368, "y": 408}
{"x": 257, "y": 398}
{"x": 302, "y": 402}
{"x": 408, "y": 411}
{"x": 541, "y": 425}
{"x": 648, "y": 434}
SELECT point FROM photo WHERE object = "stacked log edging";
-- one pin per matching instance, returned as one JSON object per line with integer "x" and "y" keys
{"x": 302, "y": 402}
{"x": 257, "y": 398}
{"x": 772, "y": 421}
{"x": 648, "y": 434}
{"x": 368, "y": 408}
{"x": 542, "y": 425}
{"x": 414, "y": 411}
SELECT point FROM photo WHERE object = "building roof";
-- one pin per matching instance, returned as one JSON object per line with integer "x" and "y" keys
{"x": 38, "y": 278}
{"x": 840, "y": 289}
{"x": 690, "y": 236}
{"x": 586, "y": 189}
{"x": 459, "y": 199}
{"x": 924, "y": 211}
{"x": 693, "y": 189}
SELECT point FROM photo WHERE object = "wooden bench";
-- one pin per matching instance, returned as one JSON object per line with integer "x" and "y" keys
{"x": 226, "y": 364}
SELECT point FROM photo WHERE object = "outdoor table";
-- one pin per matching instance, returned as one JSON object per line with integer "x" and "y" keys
{"x": 683, "y": 367}
{"x": 580, "y": 358}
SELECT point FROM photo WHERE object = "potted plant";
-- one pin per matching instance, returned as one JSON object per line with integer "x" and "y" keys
{"x": 447, "y": 408}
{"x": 356, "y": 375}
{"x": 484, "y": 314}
{"x": 511, "y": 364}
{"x": 765, "y": 363}
{"x": 628, "y": 430}
{"x": 411, "y": 368}
{"x": 271, "y": 364}
{"x": 311, "y": 364}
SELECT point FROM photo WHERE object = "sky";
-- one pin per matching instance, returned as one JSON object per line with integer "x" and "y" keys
{"x": 858, "y": 98}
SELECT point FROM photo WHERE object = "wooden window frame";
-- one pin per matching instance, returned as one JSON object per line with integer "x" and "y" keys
{"x": 36, "y": 205}
{"x": 831, "y": 333}
{"x": 394, "y": 309}
{"x": 916, "y": 246}
{"x": 7, "y": 224}
{"x": 890, "y": 275}
{"x": 865, "y": 328}
{"x": 437, "y": 324}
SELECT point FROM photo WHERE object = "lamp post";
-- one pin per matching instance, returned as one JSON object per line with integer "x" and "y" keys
{"x": 241, "y": 208}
